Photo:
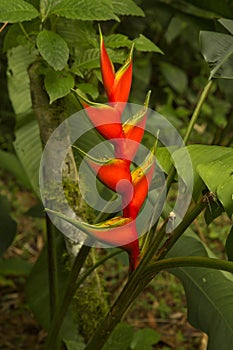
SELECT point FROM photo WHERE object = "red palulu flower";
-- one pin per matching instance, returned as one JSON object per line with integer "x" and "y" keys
{"x": 115, "y": 173}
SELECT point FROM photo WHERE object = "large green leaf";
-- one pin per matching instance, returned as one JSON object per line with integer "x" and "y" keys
{"x": 7, "y": 225}
{"x": 19, "y": 59}
{"x": 126, "y": 7}
{"x": 53, "y": 49}
{"x": 199, "y": 154}
{"x": 16, "y": 11}
{"x": 88, "y": 10}
{"x": 218, "y": 177}
{"x": 29, "y": 149}
{"x": 217, "y": 49}
{"x": 37, "y": 290}
{"x": 227, "y": 23}
{"x": 209, "y": 294}
{"x": 58, "y": 84}
{"x": 11, "y": 163}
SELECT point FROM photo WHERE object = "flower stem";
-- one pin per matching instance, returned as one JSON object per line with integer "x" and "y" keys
{"x": 52, "y": 266}
{"x": 191, "y": 261}
{"x": 192, "y": 122}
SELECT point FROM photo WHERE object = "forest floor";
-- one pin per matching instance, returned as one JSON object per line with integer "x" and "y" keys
{"x": 162, "y": 306}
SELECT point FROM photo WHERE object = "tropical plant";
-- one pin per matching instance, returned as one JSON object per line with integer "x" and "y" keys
{"x": 53, "y": 70}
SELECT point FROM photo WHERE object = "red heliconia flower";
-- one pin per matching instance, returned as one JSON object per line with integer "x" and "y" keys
{"x": 115, "y": 173}
{"x": 141, "y": 180}
{"x": 117, "y": 85}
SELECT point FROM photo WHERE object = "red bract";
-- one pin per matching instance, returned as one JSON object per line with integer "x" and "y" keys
{"x": 141, "y": 180}
{"x": 117, "y": 85}
{"x": 114, "y": 173}
{"x": 106, "y": 119}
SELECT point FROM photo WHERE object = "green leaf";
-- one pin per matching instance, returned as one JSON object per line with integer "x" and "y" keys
{"x": 89, "y": 89}
{"x": 218, "y": 177}
{"x": 175, "y": 28}
{"x": 58, "y": 84}
{"x": 175, "y": 77}
{"x": 11, "y": 163}
{"x": 46, "y": 6}
{"x": 8, "y": 226}
{"x": 142, "y": 43}
{"x": 120, "y": 338}
{"x": 199, "y": 154}
{"x": 16, "y": 11}
{"x": 75, "y": 344}
{"x": 15, "y": 267}
{"x": 37, "y": 290}
{"x": 77, "y": 33}
{"x": 114, "y": 41}
{"x": 19, "y": 59}
{"x": 29, "y": 149}
{"x": 229, "y": 245}
{"x": 127, "y": 7}
{"x": 88, "y": 10}
{"x": 217, "y": 49}
{"x": 227, "y": 23}
{"x": 53, "y": 49}
{"x": 144, "y": 339}
{"x": 209, "y": 294}
{"x": 87, "y": 59}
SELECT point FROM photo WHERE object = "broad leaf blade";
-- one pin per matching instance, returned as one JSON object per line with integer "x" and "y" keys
{"x": 227, "y": 23}
{"x": 53, "y": 49}
{"x": 142, "y": 43}
{"x": 37, "y": 290}
{"x": 88, "y": 10}
{"x": 127, "y": 7}
{"x": 217, "y": 49}
{"x": 29, "y": 149}
{"x": 58, "y": 84}
{"x": 199, "y": 154}
{"x": 19, "y": 58}
{"x": 218, "y": 177}
{"x": 209, "y": 294}
{"x": 16, "y": 11}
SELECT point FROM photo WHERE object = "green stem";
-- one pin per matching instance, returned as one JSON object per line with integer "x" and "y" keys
{"x": 190, "y": 261}
{"x": 52, "y": 266}
{"x": 197, "y": 110}
{"x": 192, "y": 122}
